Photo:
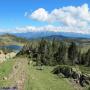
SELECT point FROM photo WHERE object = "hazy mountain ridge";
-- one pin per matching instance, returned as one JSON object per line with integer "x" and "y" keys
{"x": 35, "y": 35}
{"x": 9, "y": 39}
{"x": 69, "y": 37}
{"x": 21, "y": 38}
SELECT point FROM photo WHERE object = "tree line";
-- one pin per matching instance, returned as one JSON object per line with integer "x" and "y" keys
{"x": 56, "y": 52}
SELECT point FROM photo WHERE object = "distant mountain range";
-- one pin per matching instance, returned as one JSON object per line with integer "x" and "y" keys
{"x": 16, "y": 38}
{"x": 67, "y": 37}
{"x": 36, "y": 35}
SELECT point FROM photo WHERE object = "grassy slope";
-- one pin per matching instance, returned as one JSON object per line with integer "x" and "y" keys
{"x": 84, "y": 69}
{"x": 14, "y": 75}
{"x": 45, "y": 80}
{"x": 37, "y": 80}
{"x": 5, "y": 69}
{"x": 8, "y": 39}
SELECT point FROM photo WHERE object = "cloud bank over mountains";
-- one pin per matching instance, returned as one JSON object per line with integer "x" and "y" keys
{"x": 68, "y": 16}
{"x": 69, "y": 19}
{"x": 50, "y": 28}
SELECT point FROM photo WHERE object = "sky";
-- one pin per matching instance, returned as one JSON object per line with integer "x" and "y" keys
{"x": 18, "y": 16}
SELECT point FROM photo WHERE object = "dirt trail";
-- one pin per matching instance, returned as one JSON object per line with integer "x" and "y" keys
{"x": 18, "y": 74}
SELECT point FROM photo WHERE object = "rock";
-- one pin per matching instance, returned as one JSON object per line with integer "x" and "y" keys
{"x": 66, "y": 71}
{"x": 84, "y": 80}
{"x": 60, "y": 75}
{"x": 16, "y": 67}
{"x": 74, "y": 73}
{"x": 4, "y": 78}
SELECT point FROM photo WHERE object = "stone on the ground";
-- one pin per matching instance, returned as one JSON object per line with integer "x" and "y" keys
{"x": 74, "y": 73}
{"x": 4, "y": 78}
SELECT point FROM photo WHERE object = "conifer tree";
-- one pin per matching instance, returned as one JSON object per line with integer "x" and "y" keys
{"x": 73, "y": 52}
{"x": 88, "y": 57}
{"x": 61, "y": 53}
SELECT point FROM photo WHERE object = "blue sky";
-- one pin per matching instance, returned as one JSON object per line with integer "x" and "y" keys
{"x": 12, "y": 11}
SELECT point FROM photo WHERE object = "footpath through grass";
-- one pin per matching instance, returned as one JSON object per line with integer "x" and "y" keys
{"x": 34, "y": 79}
{"x": 45, "y": 80}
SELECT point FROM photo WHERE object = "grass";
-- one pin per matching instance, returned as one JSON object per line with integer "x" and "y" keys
{"x": 85, "y": 69}
{"x": 5, "y": 69}
{"x": 45, "y": 80}
{"x": 38, "y": 79}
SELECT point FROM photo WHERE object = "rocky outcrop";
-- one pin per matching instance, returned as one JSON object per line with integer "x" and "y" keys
{"x": 73, "y": 73}
{"x": 4, "y": 57}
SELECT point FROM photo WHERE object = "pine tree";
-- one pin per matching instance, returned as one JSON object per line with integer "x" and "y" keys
{"x": 61, "y": 54}
{"x": 73, "y": 52}
{"x": 88, "y": 58}
{"x": 79, "y": 60}
{"x": 53, "y": 50}
{"x": 41, "y": 51}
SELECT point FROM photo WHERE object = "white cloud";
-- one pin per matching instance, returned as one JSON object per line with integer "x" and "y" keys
{"x": 52, "y": 28}
{"x": 68, "y": 16}
{"x": 49, "y": 28}
{"x": 40, "y": 15}
{"x": 70, "y": 19}
{"x": 74, "y": 19}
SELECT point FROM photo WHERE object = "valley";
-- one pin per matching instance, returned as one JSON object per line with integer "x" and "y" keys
{"x": 22, "y": 68}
